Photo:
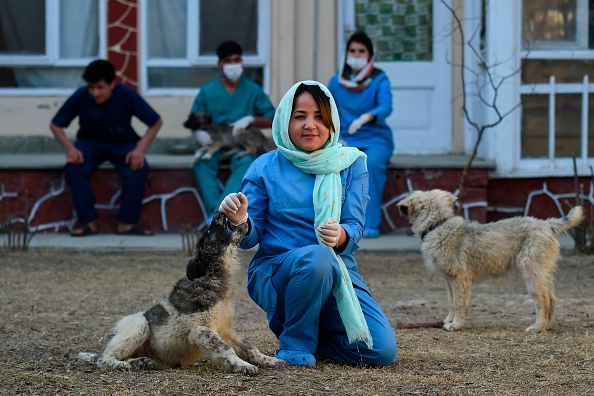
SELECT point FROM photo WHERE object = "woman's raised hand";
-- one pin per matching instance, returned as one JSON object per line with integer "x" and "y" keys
{"x": 234, "y": 207}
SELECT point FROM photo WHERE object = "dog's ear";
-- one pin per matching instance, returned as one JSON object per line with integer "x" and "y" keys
{"x": 192, "y": 122}
{"x": 453, "y": 200}
{"x": 403, "y": 207}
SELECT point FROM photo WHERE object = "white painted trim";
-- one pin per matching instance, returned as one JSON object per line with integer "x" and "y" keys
{"x": 142, "y": 56}
{"x": 193, "y": 31}
{"x": 503, "y": 43}
{"x": 560, "y": 54}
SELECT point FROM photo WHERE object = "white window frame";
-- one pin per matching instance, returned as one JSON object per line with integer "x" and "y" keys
{"x": 193, "y": 59}
{"x": 52, "y": 51}
{"x": 504, "y": 141}
{"x": 581, "y": 42}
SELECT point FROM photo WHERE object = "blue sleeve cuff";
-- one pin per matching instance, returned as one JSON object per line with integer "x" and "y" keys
{"x": 352, "y": 240}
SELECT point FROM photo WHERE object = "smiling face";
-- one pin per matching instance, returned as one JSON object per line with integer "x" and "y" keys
{"x": 306, "y": 127}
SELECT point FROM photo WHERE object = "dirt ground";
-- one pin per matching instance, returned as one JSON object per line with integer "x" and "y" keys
{"x": 55, "y": 304}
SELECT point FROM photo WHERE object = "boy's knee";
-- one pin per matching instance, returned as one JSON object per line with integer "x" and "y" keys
{"x": 76, "y": 170}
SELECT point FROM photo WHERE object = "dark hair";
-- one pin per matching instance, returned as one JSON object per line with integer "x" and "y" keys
{"x": 321, "y": 100}
{"x": 228, "y": 48}
{"x": 361, "y": 38}
{"x": 98, "y": 70}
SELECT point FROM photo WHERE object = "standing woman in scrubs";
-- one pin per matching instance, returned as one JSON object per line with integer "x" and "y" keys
{"x": 306, "y": 212}
{"x": 364, "y": 100}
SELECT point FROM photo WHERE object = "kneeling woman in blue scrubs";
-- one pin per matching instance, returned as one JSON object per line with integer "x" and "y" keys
{"x": 306, "y": 212}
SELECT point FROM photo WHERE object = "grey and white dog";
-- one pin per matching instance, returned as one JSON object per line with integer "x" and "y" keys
{"x": 466, "y": 252}
{"x": 193, "y": 321}
{"x": 251, "y": 139}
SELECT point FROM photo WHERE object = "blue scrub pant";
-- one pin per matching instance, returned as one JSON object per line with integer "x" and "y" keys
{"x": 133, "y": 182}
{"x": 377, "y": 160}
{"x": 307, "y": 317}
{"x": 206, "y": 173}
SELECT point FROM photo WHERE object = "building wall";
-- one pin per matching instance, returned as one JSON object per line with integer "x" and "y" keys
{"x": 293, "y": 40}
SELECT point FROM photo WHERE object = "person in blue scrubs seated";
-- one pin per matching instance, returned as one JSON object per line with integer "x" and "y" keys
{"x": 364, "y": 100}
{"x": 105, "y": 109}
{"x": 231, "y": 99}
{"x": 306, "y": 212}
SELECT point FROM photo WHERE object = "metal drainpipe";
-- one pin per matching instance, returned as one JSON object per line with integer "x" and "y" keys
{"x": 315, "y": 41}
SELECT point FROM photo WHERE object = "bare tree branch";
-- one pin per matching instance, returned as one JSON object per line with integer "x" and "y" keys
{"x": 493, "y": 82}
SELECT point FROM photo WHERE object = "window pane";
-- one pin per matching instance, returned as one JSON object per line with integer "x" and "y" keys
{"x": 22, "y": 27}
{"x": 556, "y": 24}
{"x": 41, "y": 77}
{"x": 568, "y": 123}
{"x": 79, "y": 29}
{"x": 180, "y": 77}
{"x": 167, "y": 20}
{"x": 536, "y": 71}
{"x": 228, "y": 20}
{"x": 400, "y": 30}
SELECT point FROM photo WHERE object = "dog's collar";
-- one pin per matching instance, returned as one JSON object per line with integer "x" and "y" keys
{"x": 434, "y": 226}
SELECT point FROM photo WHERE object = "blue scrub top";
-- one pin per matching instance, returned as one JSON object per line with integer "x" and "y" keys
{"x": 282, "y": 215}
{"x": 376, "y": 100}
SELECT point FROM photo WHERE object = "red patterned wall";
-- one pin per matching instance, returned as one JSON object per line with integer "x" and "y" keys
{"x": 122, "y": 39}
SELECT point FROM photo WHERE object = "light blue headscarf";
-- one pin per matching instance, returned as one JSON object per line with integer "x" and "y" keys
{"x": 326, "y": 163}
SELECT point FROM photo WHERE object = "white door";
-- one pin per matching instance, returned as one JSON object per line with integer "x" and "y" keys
{"x": 412, "y": 44}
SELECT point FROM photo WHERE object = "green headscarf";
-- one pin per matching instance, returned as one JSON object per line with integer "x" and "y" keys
{"x": 326, "y": 163}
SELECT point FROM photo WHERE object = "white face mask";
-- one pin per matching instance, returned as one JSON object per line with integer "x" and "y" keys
{"x": 356, "y": 63}
{"x": 233, "y": 71}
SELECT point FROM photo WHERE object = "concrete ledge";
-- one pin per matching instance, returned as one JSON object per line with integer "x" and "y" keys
{"x": 184, "y": 161}
{"x": 436, "y": 161}
{"x": 57, "y": 161}
{"x": 173, "y": 242}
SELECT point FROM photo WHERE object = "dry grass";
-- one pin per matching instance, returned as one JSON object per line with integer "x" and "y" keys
{"x": 55, "y": 304}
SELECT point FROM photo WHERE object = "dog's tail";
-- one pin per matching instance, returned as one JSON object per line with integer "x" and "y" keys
{"x": 88, "y": 357}
{"x": 573, "y": 218}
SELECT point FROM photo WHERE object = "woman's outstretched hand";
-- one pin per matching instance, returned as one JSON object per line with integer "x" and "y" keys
{"x": 234, "y": 207}
{"x": 329, "y": 232}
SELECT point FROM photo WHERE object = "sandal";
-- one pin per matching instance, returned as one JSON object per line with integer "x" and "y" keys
{"x": 296, "y": 358}
{"x": 85, "y": 231}
{"x": 136, "y": 230}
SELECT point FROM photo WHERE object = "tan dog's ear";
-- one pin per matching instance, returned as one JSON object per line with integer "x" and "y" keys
{"x": 403, "y": 207}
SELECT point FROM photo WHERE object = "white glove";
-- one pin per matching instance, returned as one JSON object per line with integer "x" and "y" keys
{"x": 234, "y": 207}
{"x": 241, "y": 124}
{"x": 202, "y": 137}
{"x": 329, "y": 232}
{"x": 363, "y": 119}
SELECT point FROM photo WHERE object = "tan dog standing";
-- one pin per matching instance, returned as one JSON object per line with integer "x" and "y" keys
{"x": 467, "y": 252}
